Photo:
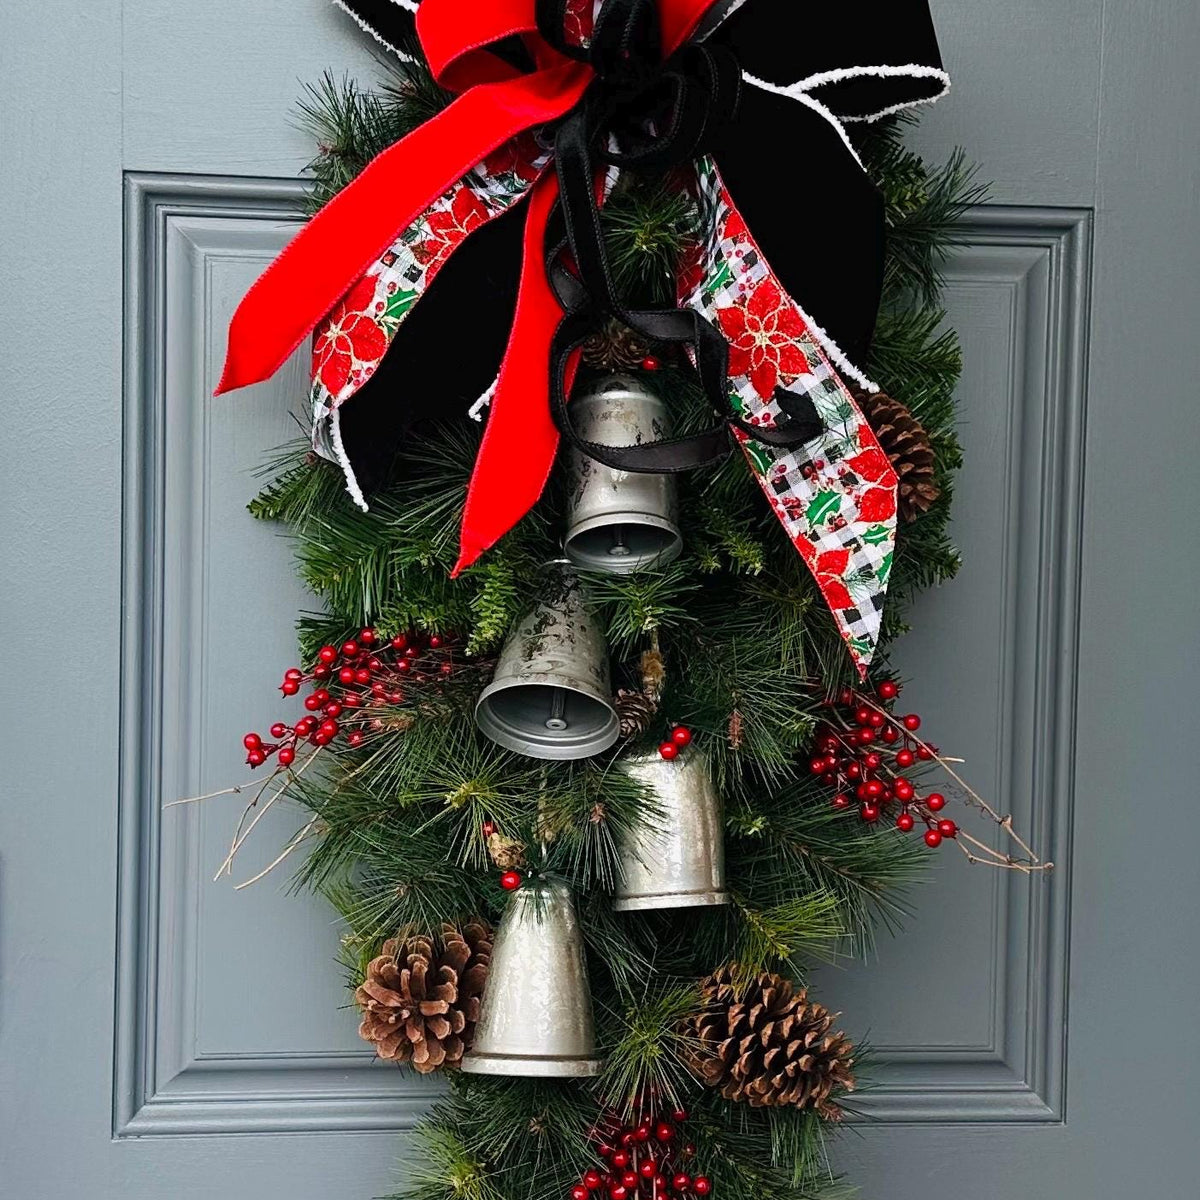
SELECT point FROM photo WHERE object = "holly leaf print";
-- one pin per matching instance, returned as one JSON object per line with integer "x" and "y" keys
{"x": 823, "y": 506}
{"x": 877, "y": 535}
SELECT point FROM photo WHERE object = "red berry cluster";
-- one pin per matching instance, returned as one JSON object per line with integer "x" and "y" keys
{"x": 351, "y": 685}
{"x": 862, "y": 751}
{"x": 681, "y": 737}
{"x": 643, "y": 1161}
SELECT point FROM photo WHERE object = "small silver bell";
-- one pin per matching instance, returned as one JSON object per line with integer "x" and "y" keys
{"x": 536, "y": 1017}
{"x": 678, "y": 861}
{"x": 550, "y": 696}
{"x": 619, "y": 521}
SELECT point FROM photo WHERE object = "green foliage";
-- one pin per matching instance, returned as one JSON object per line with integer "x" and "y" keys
{"x": 750, "y": 655}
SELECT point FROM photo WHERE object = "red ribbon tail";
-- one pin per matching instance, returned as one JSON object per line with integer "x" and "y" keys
{"x": 521, "y": 439}
{"x": 335, "y": 249}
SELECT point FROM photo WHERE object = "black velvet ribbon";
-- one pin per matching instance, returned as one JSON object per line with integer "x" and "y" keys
{"x": 811, "y": 208}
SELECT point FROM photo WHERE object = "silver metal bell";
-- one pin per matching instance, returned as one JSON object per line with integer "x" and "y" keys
{"x": 536, "y": 1017}
{"x": 619, "y": 521}
{"x": 678, "y": 861}
{"x": 551, "y": 696}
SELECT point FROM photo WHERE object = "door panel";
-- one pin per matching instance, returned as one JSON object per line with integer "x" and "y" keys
{"x": 1033, "y": 1038}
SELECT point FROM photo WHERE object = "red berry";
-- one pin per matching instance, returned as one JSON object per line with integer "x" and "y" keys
{"x": 620, "y": 1158}
{"x": 305, "y": 726}
{"x": 904, "y": 758}
{"x": 395, "y": 697}
{"x": 404, "y": 666}
{"x": 252, "y": 741}
{"x": 869, "y": 812}
{"x": 592, "y": 1179}
{"x": 862, "y": 716}
{"x": 947, "y": 828}
{"x": 903, "y": 789}
{"x": 278, "y": 729}
{"x": 333, "y": 709}
{"x": 932, "y": 838}
{"x": 681, "y": 735}
{"x": 841, "y": 800}
{"x": 642, "y": 1132}
{"x": 905, "y": 822}
{"x": 399, "y": 641}
{"x": 935, "y": 801}
{"x": 664, "y": 1132}
{"x": 321, "y": 739}
{"x": 648, "y": 1169}
{"x": 878, "y": 720}
{"x": 873, "y": 761}
{"x": 617, "y": 1191}
{"x": 256, "y": 758}
{"x": 874, "y": 789}
{"x": 289, "y": 687}
{"x": 510, "y": 881}
{"x": 327, "y": 654}
{"x": 853, "y": 771}
{"x": 679, "y": 1116}
{"x": 355, "y": 737}
{"x": 660, "y": 1184}
{"x": 362, "y": 675}
{"x": 350, "y": 649}
{"x": 312, "y": 703}
{"x": 367, "y": 636}
{"x": 888, "y": 690}
{"x": 817, "y": 766}
{"x": 681, "y": 1182}
{"x": 924, "y": 753}
{"x": 446, "y": 668}
{"x": 352, "y": 700}
{"x": 701, "y": 1185}
{"x": 579, "y": 1192}
{"x": 630, "y": 1179}
{"x": 293, "y": 673}
{"x": 346, "y": 675}
{"x": 436, "y": 641}
{"x": 911, "y": 722}
{"x": 412, "y": 652}
{"x": 321, "y": 672}
{"x": 890, "y": 734}
{"x": 865, "y": 737}
{"x": 287, "y": 756}
{"x": 650, "y": 363}
{"x": 669, "y": 750}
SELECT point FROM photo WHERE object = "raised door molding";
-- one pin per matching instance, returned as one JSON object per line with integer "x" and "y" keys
{"x": 186, "y": 1060}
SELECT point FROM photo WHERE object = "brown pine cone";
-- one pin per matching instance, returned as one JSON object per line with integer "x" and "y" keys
{"x": 420, "y": 999}
{"x": 906, "y": 443}
{"x": 614, "y": 348}
{"x": 765, "y": 1043}
{"x": 636, "y": 710}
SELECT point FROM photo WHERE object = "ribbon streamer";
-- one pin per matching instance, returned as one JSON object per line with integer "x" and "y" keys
{"x": 401, "y": 253}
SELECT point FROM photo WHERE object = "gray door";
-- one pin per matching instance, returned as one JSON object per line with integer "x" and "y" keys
{"x": 1037, "y": 1040}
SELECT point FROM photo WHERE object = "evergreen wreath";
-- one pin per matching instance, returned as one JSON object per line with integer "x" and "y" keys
{"x": 720, "y": 1072}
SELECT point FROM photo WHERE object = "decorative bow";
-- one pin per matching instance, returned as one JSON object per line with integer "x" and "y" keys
{"x": 554, "y": 97}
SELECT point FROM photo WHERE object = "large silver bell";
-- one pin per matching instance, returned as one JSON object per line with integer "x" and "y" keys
{"x": 619, "y": 521}
{"x": 550, "y": 696}
{"x": 678, "y": 859}
{"x": 536, "y": 1017}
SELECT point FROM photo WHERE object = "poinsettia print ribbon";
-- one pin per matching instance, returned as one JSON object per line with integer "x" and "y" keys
{"x": 836, "y": 495}
{"x": 355, "y": 275}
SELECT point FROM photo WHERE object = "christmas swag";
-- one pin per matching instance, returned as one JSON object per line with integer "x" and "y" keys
{"x": 598, "y": 760}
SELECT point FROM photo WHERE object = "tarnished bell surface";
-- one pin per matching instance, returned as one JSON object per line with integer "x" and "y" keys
{"x": 619, "y": 521}
{"x": 680, "y": 861}
{"x": 550, "y": 696}
{"x": 536, "y": 1018}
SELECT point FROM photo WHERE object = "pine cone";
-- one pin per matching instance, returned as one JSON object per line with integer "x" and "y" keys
{"x": 614, "y": 348}
{"x": 420, "y": 999}
{"x": 767, "y": 1044}
{"x": 636, "y": 710}
{"x": 907, "y": 444}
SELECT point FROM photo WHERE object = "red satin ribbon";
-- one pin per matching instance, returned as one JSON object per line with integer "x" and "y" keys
{"x": 335, "y": 249}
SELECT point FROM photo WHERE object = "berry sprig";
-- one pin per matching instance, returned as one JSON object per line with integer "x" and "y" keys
{"x": 646, "y": 1160}
{"x": 862, "y": 750}
{"x": 353, "y": 688}
{"x": 680, "y": 739}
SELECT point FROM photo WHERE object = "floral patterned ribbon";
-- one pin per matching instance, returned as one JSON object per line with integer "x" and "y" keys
{"x": 360, "y": 266}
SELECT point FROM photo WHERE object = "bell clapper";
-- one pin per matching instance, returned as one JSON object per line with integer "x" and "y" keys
{"x": 556, "y": 721}
{"x": 619, "y": 547}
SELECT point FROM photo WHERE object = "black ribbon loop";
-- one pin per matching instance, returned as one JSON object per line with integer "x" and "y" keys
{"x": 659, "y": 115}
